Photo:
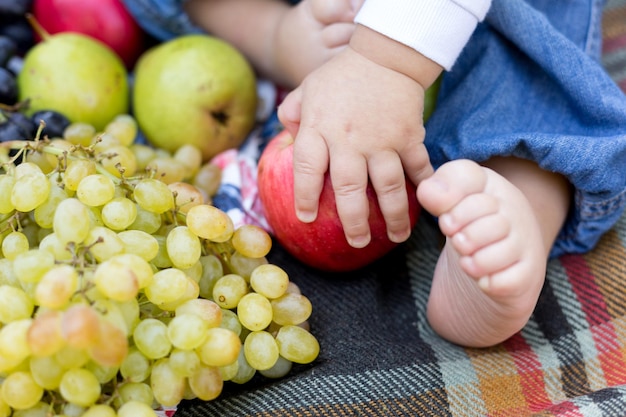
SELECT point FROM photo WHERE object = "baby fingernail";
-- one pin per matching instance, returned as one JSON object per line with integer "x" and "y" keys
{"x": 306, "y": 216}
{"x": 359, "y": 241}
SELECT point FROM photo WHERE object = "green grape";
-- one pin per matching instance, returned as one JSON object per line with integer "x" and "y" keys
{"x": 192, "y": 291}
{"x": 111, "y": 347}
{"x": 208, "y": 178}
{"x": 254, "y": 311}
{"x": 110, "y": 310}
{"x": 103, "y": 373}
{"x": 186, "y": 195}
{"x": 251, "y": 241}
{"x": 30, "y": 266}
{"x": 46, "y": 371}
{"x": 228, "y": 290}
{"x": 146, "y": 221}
{"x": 143, "y": 155}
{"x": 167, "y": 169}
{"x": 5, "y": 409}
{"x": 228, "y": 372}
{"x": 167, "y": 286}
{"x": 261, "y": 350}
{"x": 206, "y": 383}
{"x": 119, "y": 213}
{"x": 190, "y": 157}
{"x": 280, "y": 369}
{"x": 71, "y": 222}
{"x": 6, "y": 186}
{"x": 297, "y": 345}
{"x": 44, "y": 336}
{"x": 56, "y": 287}
{"x": 44, "y": 213}
{"x": 139, "y": 243}
{"x": 124, "y": 128}
{"x": 95, "y": 190}
{"x": 187, "y": 331}
{"x": 136, "y": 367}
{"x": 212, "y": 270}
{"x": 13, "y": 244}
{"x": 209, "y": 222}
{"x": 220, "y": 347}
{"x": 7, "y": 276}
{"x": 58, "y": 249}
{"x": 150, "y": 337}
{"x": 184, "y": 362}
{"x": 194, "y": 272}
{"x": 244, "y": 371}
{"x": 100, "y": 410}
{"x": 79, "y": 133}
{"x": 207, "y": 310}
{"x": 136, "y": 391}
{"x": 79, "y": 386}
{"x": 269, "y": 280}
{"x": 167, "y": 387}
{"x": 30, "y": 191}
{"x": 291, "y": 309}
{"x": 15, "y": 304}
{"x": 153, "y": 195}
{"x": 70, "y": 357}
{"x": 76, "y": 170}
{"x": 242, "y": 265}
{"x": 118, "y": 160}
{"x": 116, "y": 280}
{"x": 162, "y": 259}
{"x": 183, "y": 247}
{"x": 80, "y": 325}
{"x": 140, "y": 268}
{"x": 103, "y": 243}
{"x": 103, "y": 141}
{"x": 230, "y": 321}
{"x": 135, "y": 409}
{"x": 20, "y": 391}
{"x": 13, "y": 339}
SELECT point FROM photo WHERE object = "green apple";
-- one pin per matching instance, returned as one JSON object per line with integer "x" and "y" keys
{"x": 195, "y": 89}
{"x": 75, "y": 75}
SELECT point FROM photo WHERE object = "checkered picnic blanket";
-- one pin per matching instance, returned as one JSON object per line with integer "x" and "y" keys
{"x": 379, "y": 357}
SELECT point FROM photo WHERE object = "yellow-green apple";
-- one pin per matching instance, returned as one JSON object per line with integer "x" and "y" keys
{"x": 322, "y": 243}
{"x": 75, "y": 75}
{"x": 106, "y": 20}
{"x": 195, "y": 89}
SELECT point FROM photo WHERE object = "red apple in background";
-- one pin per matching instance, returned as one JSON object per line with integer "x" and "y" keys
{"x": 106, "y": 20}
{"x": 321, "y": 244}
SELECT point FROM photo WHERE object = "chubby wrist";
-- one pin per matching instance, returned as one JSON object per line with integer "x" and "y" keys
{"x": 395, "y": 55}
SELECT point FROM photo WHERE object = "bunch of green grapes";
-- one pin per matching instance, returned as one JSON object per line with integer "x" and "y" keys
{"x": 122, "y": 289}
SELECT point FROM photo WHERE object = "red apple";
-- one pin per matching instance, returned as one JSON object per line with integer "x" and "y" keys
{"x": 106, "y": 20}
{"x": 322, "y": 243}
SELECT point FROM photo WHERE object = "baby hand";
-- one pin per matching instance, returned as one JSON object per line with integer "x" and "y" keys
{"x": 361, "y": 121}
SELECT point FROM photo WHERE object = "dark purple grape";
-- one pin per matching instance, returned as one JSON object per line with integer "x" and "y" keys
{"x": 55, "y": 122}
{"x": 8, "y": 48}
{"x": 8, "y": 87}
{"x": 19, "y": 30}
{"x": 9, "y": 131}
{"x": 16, "y": 7}
{"x": 18, "y": 125}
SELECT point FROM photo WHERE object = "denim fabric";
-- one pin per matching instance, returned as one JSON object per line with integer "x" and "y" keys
{"x": 528, "y": 84}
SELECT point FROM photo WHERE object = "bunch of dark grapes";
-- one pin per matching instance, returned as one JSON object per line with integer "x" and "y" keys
{"x": 16, "y": 38}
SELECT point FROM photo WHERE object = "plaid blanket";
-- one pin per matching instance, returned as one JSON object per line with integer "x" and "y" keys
{"x": 379, "y": 357}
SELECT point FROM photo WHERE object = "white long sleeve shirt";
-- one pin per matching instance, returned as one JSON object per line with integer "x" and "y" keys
{"x": 438, "y": 29}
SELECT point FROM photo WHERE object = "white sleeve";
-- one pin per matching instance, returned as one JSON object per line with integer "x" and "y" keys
{"x": 438, "y": 29}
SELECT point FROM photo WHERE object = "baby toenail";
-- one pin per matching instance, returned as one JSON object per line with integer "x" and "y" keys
{"x": 483, "y": 283}
{"x": 446, "y": 221}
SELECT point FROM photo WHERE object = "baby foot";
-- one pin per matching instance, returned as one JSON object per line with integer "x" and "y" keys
{"x": 491, "y": 270}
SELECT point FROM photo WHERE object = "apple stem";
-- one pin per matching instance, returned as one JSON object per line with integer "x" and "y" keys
{"x": 37, "y": 27}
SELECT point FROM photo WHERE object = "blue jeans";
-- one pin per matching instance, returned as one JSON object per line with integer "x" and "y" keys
{"x": 529, "y": 84}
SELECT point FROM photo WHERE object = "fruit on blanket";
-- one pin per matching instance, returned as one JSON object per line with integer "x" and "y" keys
{"x": 105, "y": 20}
{"x": 110, "y": 302}
{"x": 322, "y": 243}
{"x": 75, "y": 75}
{"x": 195, "y": 89}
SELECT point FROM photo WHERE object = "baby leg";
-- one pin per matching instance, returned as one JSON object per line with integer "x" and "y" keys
{"x": 500, "y": 221}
